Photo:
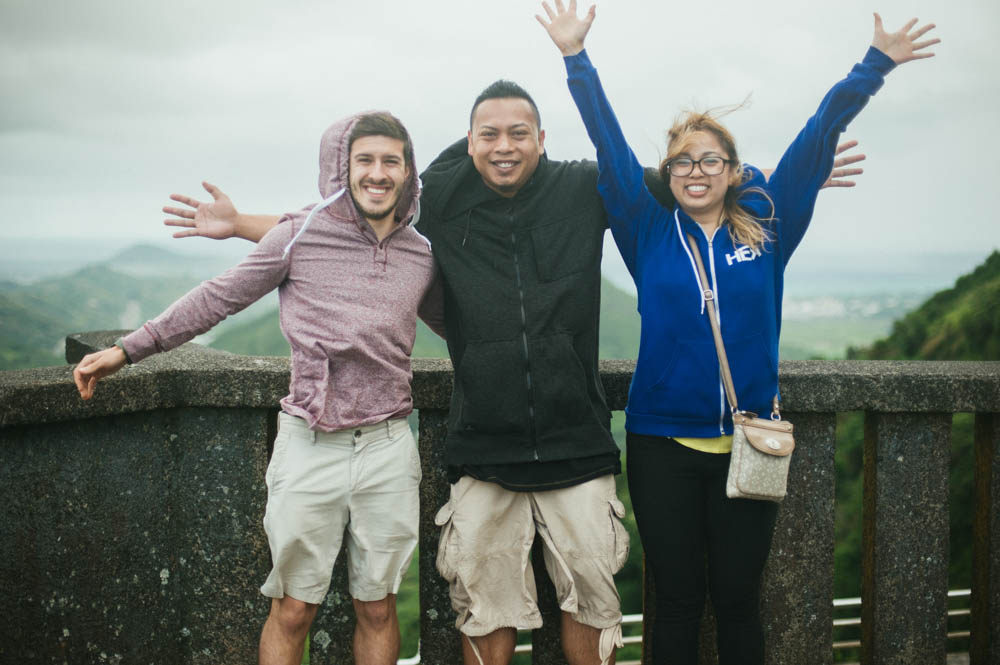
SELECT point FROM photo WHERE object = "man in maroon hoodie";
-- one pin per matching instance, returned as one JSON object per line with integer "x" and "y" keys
{"x": 352, "y": 277}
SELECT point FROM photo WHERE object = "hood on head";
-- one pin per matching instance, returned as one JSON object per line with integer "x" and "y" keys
{"x": 334, "y": 161}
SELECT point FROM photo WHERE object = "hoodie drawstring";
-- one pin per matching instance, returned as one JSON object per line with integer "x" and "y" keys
{"x": 309, "y": 218}
{"x": 697, "y": 279}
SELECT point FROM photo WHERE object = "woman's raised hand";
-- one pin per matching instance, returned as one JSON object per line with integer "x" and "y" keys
{"x": 902, "y": 45}
{"x": 565, "y": 29}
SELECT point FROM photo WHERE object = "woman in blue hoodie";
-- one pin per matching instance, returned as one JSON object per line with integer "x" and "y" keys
{"x": 678, "y": 422}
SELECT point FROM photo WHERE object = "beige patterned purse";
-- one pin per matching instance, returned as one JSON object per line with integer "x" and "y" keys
{"x": 762, "y": 448}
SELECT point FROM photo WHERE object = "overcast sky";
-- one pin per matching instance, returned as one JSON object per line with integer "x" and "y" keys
{"x": 107, "y": 107}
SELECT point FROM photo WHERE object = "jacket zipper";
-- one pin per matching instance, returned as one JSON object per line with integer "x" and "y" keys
{"x": 524, "y": 336}
{"x": 718, "y": 317}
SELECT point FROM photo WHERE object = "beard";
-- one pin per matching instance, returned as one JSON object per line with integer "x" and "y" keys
{"x": 377, "y": 215}
{"x": 380, "y": 213}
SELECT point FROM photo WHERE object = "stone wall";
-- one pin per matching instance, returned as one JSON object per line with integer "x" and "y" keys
{"x": 132, "y": 531}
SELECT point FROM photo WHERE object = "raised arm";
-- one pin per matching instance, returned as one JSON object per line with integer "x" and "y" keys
{"x": 218, "y": 220}
{"x": 620, "y": 176}
{"x": 808, "y": 161}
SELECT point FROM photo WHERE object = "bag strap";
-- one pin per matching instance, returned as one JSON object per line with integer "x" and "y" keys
{"x": 709, "y": 295}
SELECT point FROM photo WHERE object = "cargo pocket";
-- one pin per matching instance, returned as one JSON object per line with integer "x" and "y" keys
{"x": 619, "y": 535}
{"x": 445, "y": 565}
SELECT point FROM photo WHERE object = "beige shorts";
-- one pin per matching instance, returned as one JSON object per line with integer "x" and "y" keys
{"x": 486, "y": 537}
{"x": 364, "y": 480}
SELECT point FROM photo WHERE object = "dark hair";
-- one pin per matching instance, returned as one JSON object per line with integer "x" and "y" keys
{"x": 504, "y": 89}
{"x": 382, "y": 124}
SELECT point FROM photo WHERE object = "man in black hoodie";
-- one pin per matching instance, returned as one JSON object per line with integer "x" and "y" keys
{"x": 518, "y": 239}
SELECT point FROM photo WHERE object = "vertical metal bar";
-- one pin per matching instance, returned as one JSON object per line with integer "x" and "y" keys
{"x": 985, "y": 646}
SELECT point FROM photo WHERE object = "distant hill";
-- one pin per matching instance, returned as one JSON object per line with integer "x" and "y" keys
{"x": 137, "y": 283}
{"x": 619, "y": 332}
{"x": 960, "y": 323}
{"x": 37, "y": 317}
{"x": 150, "y": 260}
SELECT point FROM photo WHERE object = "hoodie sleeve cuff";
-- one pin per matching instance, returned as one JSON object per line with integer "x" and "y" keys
{"x": 576, "y": 64}
{"x": 139, "y": 345}
{"x": 878, "y": 61}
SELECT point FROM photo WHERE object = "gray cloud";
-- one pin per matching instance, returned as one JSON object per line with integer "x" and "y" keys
{"x": 109, "y": 106}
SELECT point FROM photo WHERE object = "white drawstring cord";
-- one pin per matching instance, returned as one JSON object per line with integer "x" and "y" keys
{"x": 694, "y": 269}
{"x": 309, "y": 217}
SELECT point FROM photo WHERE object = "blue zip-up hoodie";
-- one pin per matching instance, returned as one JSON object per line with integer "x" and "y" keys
{"x": 676, "y": 389}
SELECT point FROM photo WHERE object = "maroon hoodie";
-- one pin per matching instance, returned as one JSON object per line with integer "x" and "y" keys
{"x": 348, "y": 304}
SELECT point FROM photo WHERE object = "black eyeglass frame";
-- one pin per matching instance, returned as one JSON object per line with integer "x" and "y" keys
{"x": 697, "y": 162}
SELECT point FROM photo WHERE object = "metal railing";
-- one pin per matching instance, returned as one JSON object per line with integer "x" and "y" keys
{"x": 846, "y": 624}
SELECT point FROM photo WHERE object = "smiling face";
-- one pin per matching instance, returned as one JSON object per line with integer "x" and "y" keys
{"x": 378, "y": 173}
{"x": 505, "y": 143}
{"x": 702, "y": 197}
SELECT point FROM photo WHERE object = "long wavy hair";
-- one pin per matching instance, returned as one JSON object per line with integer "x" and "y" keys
{"x": 744, "y": 227}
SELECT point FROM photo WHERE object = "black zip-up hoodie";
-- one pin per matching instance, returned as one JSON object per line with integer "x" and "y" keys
{"x": 522, "y": 310}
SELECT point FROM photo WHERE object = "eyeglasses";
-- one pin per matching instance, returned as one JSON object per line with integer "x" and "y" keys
{"x": 684, "y": 166}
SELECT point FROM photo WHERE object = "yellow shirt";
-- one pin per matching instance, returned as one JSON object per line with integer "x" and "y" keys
{"x": 719, "y": 445}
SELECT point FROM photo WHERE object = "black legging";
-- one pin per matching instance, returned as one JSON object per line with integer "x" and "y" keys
{"x": 679, "y": 498}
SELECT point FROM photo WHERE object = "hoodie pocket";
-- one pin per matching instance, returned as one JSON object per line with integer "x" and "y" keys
{"x": 688, "y": 389}
{"x": 493, "y": 383}
{"x": 561, "y": 386}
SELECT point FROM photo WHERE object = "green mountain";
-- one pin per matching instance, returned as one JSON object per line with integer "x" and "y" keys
{"x": 960, "y": 323}
{"x": 619, "y": 332}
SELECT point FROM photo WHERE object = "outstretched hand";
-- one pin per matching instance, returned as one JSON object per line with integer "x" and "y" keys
{"x": 564, "y": 27}
{"x": 839, "y": 176}
{"x": 902, "y": 45}
{"x": 210, "y": 220}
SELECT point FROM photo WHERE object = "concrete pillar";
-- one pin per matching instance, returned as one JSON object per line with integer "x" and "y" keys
{"x": 797, "y": 596}
{"x": 904, "y": 586}
{"x": 440, "y": 642}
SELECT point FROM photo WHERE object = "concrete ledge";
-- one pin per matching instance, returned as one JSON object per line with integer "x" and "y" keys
{"x": 194, "y": 375}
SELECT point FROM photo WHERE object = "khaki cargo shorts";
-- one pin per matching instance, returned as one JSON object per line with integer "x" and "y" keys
{"x": 486, "y": 537}
{"x": 363, "y": 480}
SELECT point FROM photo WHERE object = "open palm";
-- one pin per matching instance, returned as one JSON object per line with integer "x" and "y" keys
{"x": 902, "y": 45}
{"x": 565, "y": 28}
{"x": 215, "y": 219}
